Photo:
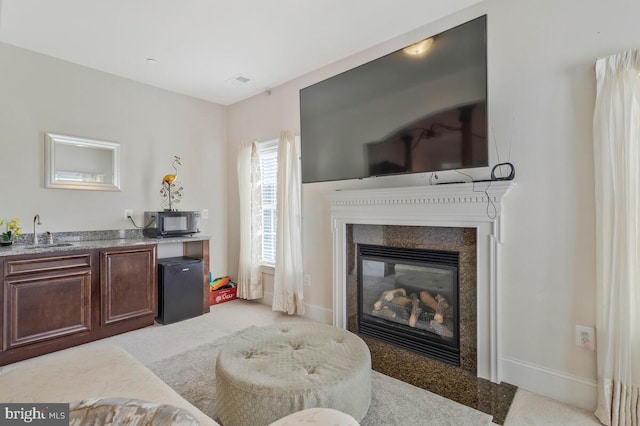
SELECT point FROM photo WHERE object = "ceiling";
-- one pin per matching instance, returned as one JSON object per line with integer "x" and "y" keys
{"x": 202, "y": 48}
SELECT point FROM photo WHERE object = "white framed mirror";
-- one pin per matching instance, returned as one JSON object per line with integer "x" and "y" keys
{"x": 80, "y": 163}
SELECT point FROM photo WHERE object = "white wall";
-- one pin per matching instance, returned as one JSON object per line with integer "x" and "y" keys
{"x": 541, "y": 96}
{"x": 41, "y": 94}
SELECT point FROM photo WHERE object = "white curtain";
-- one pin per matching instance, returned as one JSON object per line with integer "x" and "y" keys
{"x": 616, "y": 128}
{"x": 288, "y": 281}
{"x": 249, "y": 183}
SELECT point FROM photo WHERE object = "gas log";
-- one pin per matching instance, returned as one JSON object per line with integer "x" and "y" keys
{"x": 418, "y": 310}
{"x": 393, "y": 312}
{"x": 396, "y": 300}
{"x": 401, "y": 301}
{"x": 438, "y": 304}
{"x": 441, "y": 309}
{"x": 428, "y": 300}
{"x": 415, "y": 310}
{"x": 388, "y": 296}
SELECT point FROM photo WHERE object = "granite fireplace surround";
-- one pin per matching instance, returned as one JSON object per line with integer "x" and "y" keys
{"x": 465, "y": 218}
{"x": 461, "y": 240}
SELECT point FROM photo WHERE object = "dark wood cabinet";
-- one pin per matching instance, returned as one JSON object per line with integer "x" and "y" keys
{"x": 58, "y": 300}
{"x": 200, "y": 250}
{"x": 46, "y": 298}
{"x": 62, "y": 299}
{"x": 128, "y": 284}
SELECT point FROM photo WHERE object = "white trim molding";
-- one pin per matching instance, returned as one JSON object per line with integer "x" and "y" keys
{"x": 469, "y": 205}
{"x": 568, "y": 388}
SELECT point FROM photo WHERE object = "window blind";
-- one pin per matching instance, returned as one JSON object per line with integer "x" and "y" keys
{"x": 268, "y": 154}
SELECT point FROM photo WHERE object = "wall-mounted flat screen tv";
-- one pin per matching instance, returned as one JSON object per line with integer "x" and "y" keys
{"x": 406, "y": 112}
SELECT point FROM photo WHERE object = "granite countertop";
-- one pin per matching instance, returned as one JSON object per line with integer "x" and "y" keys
{"x": 89, "y": 240}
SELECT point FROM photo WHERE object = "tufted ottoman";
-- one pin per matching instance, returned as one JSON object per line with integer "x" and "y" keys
{"x": 265, "y": 373}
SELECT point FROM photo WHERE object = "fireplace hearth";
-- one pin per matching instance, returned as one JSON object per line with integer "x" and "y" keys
{"x": 409, "y": 298}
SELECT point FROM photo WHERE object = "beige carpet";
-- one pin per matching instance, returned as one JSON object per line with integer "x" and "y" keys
{"x": 155, "y": 343}
{"x": 192, "y": 375}
{"x": 529, "y": 409}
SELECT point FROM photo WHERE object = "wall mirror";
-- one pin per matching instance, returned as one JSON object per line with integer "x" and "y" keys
{"x": 79, "y": 163}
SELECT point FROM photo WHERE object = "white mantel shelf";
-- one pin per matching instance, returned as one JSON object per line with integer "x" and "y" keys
{"x": 470, "y": 205}
{"x": 469, "y": 198}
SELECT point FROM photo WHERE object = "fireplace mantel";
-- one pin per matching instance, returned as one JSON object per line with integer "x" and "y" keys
{"x": 470, "y": 205}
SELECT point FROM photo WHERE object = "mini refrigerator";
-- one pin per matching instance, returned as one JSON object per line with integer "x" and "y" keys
{"x": 179, "y": 289}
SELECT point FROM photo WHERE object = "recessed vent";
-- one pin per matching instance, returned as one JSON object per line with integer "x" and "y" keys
{"x": 242, "y": 79}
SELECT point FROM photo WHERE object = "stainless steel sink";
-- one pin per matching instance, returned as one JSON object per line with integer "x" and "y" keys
{"x": 43, "y": 246}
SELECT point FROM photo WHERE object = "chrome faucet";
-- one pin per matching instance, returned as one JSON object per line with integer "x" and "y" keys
{"x": 36, "y": 218}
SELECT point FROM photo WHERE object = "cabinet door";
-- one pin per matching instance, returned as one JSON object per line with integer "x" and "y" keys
{"x": 44, "y": 307}
{"x": 128, "y": 286}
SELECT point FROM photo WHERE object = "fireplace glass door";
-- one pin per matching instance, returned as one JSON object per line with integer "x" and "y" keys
{"x": 409, "y": 297}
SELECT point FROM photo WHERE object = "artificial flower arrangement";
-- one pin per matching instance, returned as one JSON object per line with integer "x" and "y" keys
{"x": 13, "y": 229}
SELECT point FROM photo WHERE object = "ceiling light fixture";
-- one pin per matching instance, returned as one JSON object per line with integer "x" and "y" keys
{"x": 419, "y": 48}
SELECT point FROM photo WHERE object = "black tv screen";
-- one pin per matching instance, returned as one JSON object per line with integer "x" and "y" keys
{"x": 401, "y": 113}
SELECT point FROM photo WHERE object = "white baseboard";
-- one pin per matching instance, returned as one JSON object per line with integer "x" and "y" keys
{"x": 267, "y": 298}
{"x": 318, "y": 313}
{"x": 573, "y": 390}
{"x": 312, "y": 312}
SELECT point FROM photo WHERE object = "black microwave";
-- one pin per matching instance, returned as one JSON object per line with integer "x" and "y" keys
{"x": 170, "y": 223}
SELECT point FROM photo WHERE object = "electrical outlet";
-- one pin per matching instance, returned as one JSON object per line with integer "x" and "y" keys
{"x": 307, "y": 280}
{"x": 205, "y": 213}
{"x": 128, "y": 213}
{"x": 586, "y": 337}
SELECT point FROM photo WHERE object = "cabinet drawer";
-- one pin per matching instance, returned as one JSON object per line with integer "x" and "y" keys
{"x": 46, "y": 264}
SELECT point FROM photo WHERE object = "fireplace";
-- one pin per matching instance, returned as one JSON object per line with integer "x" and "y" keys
{"x": 408, "y": 297}
{"x": 462, "y": 218}
{"x": 438, "y": 265}
{"x": 475, "y": 208}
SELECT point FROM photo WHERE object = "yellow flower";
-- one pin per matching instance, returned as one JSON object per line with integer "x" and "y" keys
{"x": 13, "y": 229}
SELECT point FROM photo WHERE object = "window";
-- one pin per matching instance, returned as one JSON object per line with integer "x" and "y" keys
{"x": 268, "y": 154}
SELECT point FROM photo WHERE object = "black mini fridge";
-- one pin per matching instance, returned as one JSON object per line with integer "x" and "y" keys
{"x": 179, "y": 289}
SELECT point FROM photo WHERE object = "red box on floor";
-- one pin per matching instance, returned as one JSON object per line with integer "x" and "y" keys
{"x": 223, "y": 295}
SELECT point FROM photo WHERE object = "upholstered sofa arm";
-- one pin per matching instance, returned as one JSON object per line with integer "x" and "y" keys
{"x": 94, "y": 371}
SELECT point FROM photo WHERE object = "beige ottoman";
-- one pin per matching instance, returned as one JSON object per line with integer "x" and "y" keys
{"x": 266, "y": 373}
